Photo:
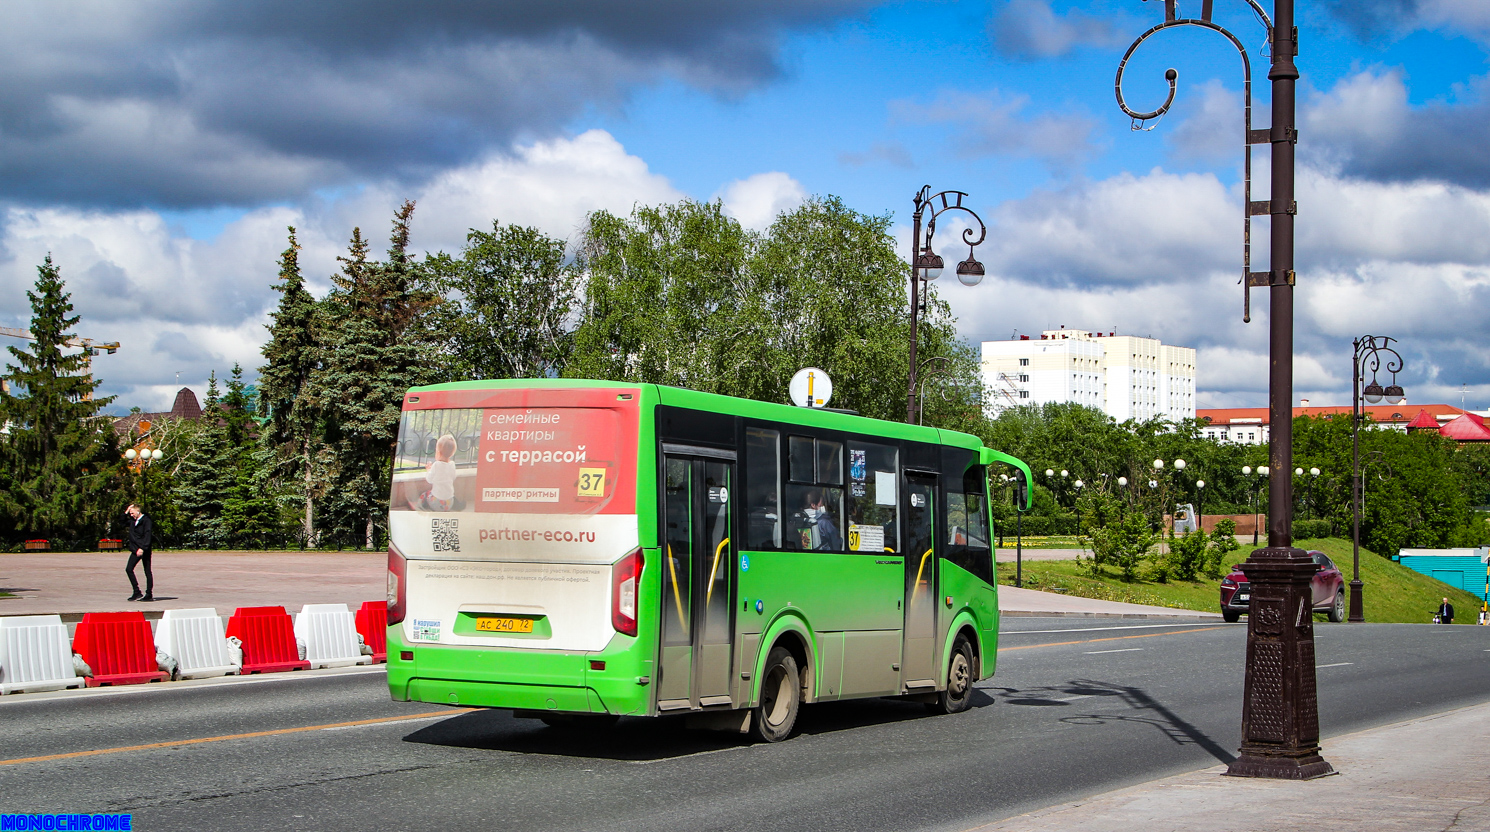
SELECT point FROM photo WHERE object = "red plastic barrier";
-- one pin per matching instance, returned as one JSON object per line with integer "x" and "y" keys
{"x": 119, "y": 647}
{"x": 372, "y": 623}
{"x": 268, "y": 637}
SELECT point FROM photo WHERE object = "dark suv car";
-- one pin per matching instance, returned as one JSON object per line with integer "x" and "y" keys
{"x": 1328, "y": 585}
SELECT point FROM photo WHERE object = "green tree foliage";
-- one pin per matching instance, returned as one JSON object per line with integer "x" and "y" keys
{"x": 683, "y": 295}
{"x": 204, "y": 478}
{"x": 293, "y": 425}
{"x": 374, "y": 347}
{"x": 1418, "y": 488}
{"x": 509, "y": 299}
{"x": 61, "y": 460}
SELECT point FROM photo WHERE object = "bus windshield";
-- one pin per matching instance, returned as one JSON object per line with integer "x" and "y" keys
{"x": 516, "y": 473}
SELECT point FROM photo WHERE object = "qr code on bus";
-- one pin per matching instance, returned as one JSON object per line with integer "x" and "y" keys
{"x": 445, "y": 533}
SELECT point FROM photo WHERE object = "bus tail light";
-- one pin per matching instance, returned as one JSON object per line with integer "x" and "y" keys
{"x": 397, "y": 591}
{"x": 625, "y": 578}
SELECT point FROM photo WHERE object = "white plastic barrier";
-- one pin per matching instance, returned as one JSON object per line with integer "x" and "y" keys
{"x": 195, "y": 639}
{"x": 329, "y": 632}
{"x": 36, "y": 654}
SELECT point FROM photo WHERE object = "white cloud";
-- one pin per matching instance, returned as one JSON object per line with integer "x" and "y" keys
{"x": 757, "y": 200}
{"x": 180, "y": 304}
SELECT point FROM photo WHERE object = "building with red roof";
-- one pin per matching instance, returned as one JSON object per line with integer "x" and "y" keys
{"x": 1250, "y": 424}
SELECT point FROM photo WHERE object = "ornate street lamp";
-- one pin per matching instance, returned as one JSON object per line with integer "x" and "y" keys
{"x": 927, "y": 264}
{"x": 1280, "y": 715}
{"x": 1368, "y": 350}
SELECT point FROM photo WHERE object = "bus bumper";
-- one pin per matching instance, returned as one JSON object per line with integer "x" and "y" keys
{"x": 562, "y": 682}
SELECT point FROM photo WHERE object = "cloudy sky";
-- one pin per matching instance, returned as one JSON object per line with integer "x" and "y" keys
{"x": 159, "y": 148}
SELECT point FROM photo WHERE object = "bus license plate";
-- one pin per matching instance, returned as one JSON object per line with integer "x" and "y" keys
{"x": 504, "y": 625}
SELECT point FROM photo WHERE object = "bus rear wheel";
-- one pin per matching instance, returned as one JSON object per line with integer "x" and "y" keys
{"x": 959, "y": 693}
{"x": 781, "y": 697}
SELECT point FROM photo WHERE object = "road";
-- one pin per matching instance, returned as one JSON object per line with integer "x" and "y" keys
{"x": 1078, "y": 707}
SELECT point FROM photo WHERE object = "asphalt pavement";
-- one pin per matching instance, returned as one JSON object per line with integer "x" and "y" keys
{"x": 1078, "y": 708}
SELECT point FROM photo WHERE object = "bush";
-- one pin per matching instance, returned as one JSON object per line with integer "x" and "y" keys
{"x": 1307, "y": 529}
{"x": 1222, "y": 544}
{"x": 1186, "y": 557}
{"x": 1123, "y": 544}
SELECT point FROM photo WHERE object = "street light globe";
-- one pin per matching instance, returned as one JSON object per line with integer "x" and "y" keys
{"x": 970, "y": 271}
{"x": 1064, "y": 473}
{"x": 1246, "y": 470}
{"x": 1200, "y": 483}
{"x": 1123, "y": 482}
{"x": 1394, "y": 394}
{"x": 1158, "y": 465}
{"x": 1049, "y": 472}
{"x": 130, "y": 454}
{"x": 1298, "y": 472}
{"x": 1373, "y": 392}
{"x": 1313, "y": 472}
{"x": 1263, "y": 470}
{"x": 1179, "y": 465}
{"x": 1078, "y": 483}
{"x": 156, "y": 454}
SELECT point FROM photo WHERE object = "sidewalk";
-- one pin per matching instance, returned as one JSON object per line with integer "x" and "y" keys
{"x": 1428, "y": 773}
{"x": 72, "y": 583}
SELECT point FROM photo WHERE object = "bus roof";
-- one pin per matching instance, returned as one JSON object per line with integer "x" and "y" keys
{"x": 735, "y": 406}
{"x": 681, "y": 397}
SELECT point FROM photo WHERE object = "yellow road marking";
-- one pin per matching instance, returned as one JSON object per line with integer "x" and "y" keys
{"x": 276, "y": 732}
{"x": 1109, "y": 638}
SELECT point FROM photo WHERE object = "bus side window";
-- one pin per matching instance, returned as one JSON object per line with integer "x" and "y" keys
{"x": 800, "y": 459}
{"x": 763, "y": 489}
{"x": 968, "y": 542}
{"x": 873, "y": 505}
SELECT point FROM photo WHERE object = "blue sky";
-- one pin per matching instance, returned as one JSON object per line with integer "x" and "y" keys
{"x": 158, "y": 150}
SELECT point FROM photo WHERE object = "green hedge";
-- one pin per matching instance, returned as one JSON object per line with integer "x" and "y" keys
{"x": 1308, "y": 529}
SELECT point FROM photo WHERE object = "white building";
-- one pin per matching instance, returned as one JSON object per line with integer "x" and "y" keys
{"x": 1124, "y": 376}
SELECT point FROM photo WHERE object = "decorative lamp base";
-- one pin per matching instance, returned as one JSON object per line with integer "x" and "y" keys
{"x": 1357, "y": 603}
{"x": 1272, "y": 764}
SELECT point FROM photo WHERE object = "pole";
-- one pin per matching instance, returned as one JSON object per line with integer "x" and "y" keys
{"x": 1357, "y": 602}
{"x": 1280, "y": 712}
{"x": 1019, "y": 548}
{"x": 910, "y": 394}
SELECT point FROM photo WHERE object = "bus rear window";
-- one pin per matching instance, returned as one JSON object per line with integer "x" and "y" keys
{"x": 531, "y": 460}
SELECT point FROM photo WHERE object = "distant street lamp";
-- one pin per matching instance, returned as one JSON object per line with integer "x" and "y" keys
{"x": 141, "y": 461}
{"x": 927, "y": 265}
{"x": 1367, "y": 349}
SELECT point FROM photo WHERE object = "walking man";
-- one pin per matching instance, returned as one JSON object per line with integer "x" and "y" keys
{"x": 1446, "y": 612}
{"x": 138, "y": 538}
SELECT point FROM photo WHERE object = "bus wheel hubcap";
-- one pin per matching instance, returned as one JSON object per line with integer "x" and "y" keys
{"x": 958, "y": 683}
{"x": 776, "y": 697}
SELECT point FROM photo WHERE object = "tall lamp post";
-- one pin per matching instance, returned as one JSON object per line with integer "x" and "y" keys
{"x": 140, "y": 461}
{"x": 927, "y": 264}
{"x": 1369, "y": 351}
{"x": 1280, "y": 714}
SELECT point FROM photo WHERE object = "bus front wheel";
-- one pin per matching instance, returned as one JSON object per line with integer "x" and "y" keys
{"x": 959, "y": 693}
{"x": 781, "y": 697}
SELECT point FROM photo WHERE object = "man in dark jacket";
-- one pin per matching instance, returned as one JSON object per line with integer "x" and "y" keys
{"x": 137, "y": 535}
{"x": 1446, "y": 612}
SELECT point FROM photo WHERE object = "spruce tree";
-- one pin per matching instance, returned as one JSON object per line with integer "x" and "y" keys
{"x": 375, "y": 350}
{"x": 249, "y": 512}
{"x": 60, "y": 454}
{"x": 205, "y": 478}
{"x": 293, "y": 426}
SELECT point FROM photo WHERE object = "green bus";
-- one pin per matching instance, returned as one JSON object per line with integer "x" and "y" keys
{"x": 578, "y": 551}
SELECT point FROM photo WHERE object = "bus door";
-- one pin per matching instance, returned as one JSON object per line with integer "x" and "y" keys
{"x": 698, "y": 568}
{"x": 919, "y": 662}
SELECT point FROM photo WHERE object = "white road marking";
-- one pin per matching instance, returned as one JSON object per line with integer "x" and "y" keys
{"x": 1074, "y": 698}
{"x": 1124, "y": 650}
{"x": 1003, "y": 633}
{"x": 1336, "y": 664}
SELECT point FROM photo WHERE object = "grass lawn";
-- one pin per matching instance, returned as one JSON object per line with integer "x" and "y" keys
{"x": 1393, "y": 593}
